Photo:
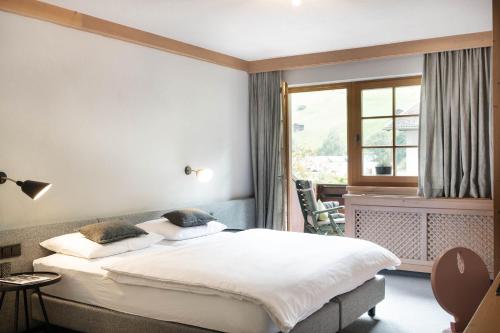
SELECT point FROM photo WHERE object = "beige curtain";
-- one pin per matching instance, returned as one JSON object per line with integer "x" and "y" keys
{"x": 455, "y": 135}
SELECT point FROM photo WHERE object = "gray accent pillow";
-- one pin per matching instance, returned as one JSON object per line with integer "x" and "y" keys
{"x": 190, "y": 217}
{"x": 109, "y": 232}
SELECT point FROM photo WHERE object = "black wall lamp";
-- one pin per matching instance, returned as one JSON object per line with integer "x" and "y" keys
{"x": 32, "y": 188}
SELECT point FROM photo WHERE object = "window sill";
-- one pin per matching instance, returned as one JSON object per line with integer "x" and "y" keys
{"x": 388, "y": 199}
{"x": 382, "y": 190}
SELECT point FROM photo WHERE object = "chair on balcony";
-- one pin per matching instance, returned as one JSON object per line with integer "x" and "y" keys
{"x": 313, "y": 223}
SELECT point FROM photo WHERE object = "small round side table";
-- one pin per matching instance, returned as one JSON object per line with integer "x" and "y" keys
{"x": 35, "y": 286}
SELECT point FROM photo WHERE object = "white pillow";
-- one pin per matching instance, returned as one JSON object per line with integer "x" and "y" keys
{"x": 77, "y": 245}
{"x": 172, "y": 232}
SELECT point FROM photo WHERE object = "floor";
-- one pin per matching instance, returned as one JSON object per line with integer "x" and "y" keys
{"x": 409, "y": 307}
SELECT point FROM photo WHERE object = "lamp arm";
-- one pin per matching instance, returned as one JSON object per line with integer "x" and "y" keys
{"x": 188, "y": 170}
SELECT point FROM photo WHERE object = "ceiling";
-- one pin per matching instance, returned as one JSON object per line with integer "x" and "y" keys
{"x": 261, "y": 29}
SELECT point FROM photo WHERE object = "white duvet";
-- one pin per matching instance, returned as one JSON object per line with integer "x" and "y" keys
{"x": 291, "y": 275}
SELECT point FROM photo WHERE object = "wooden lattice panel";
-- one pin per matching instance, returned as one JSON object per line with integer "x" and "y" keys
{"x": 397, "y": 231}
{"x": 445, "y": 231}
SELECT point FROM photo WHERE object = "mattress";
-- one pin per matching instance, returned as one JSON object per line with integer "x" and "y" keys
{"x": 84, "y": 281}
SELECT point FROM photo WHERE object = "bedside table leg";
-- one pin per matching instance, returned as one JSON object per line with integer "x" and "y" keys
{"x": 47, "y": 324}
{"x": 16, "y": 311}
{"x": 26, "y": 317}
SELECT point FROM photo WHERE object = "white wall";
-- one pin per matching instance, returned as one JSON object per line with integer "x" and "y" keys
{"x": 356, "y": 71}
{"x": 112, "y": 125}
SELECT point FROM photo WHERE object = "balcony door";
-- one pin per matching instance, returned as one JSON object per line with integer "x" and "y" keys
{"x": 318, "y": 139}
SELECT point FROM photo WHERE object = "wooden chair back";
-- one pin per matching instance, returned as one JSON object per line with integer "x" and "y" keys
{"x": 459, "y": 281}
{"x": 307, "y": 201}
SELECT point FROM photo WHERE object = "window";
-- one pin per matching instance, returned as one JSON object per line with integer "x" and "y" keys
{"x": 319, "y": 133}
{"x": 385, "y": 127}
{"x": 375, "y": 123}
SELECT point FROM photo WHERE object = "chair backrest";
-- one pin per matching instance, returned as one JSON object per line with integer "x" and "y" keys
{"x": 459, "y": 281}
{"x": 307, "y": 200}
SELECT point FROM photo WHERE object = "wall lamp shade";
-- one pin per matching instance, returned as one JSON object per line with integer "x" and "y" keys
{"x": 31, "y": 188}
{"x": 203, "y": 175}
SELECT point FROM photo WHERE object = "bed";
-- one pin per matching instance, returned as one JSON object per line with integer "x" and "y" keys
{"x": 85, "y": 282}
{"x": 88, "y": 300}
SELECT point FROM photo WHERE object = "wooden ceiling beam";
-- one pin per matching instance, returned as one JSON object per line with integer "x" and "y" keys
{"x": 72, "y": 19}
{"x": 421, "y": 46}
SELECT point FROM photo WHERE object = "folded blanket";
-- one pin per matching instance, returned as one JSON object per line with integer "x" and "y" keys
{"x": 291, "y": 275}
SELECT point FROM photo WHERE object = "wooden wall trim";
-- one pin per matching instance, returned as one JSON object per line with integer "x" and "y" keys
{"x": 496, "y": 131}
{"x": 439, "y": 44}
{"x": 76, "y": 20}
{"x": 72, "y": 19}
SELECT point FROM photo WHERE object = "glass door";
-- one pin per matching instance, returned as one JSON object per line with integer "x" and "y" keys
{"x": 318, "y": 139}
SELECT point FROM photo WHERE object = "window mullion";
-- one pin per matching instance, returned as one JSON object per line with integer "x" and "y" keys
{"x": 393, "y": 131}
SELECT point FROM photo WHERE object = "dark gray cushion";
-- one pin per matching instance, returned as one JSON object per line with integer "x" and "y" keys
{"x": 330, "y": 204}
{"x": 112, "y": 231}
{"x": 190, "y": 217}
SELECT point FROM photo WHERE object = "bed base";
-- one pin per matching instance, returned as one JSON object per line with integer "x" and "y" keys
{"x": 362, "y": 299}
{"x": 332, "y": 317}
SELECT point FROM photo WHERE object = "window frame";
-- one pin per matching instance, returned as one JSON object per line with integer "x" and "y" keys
{"x": 355, "y": 164}
{"x": 321, "y": 87}
{"x": 354, "y": 124}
